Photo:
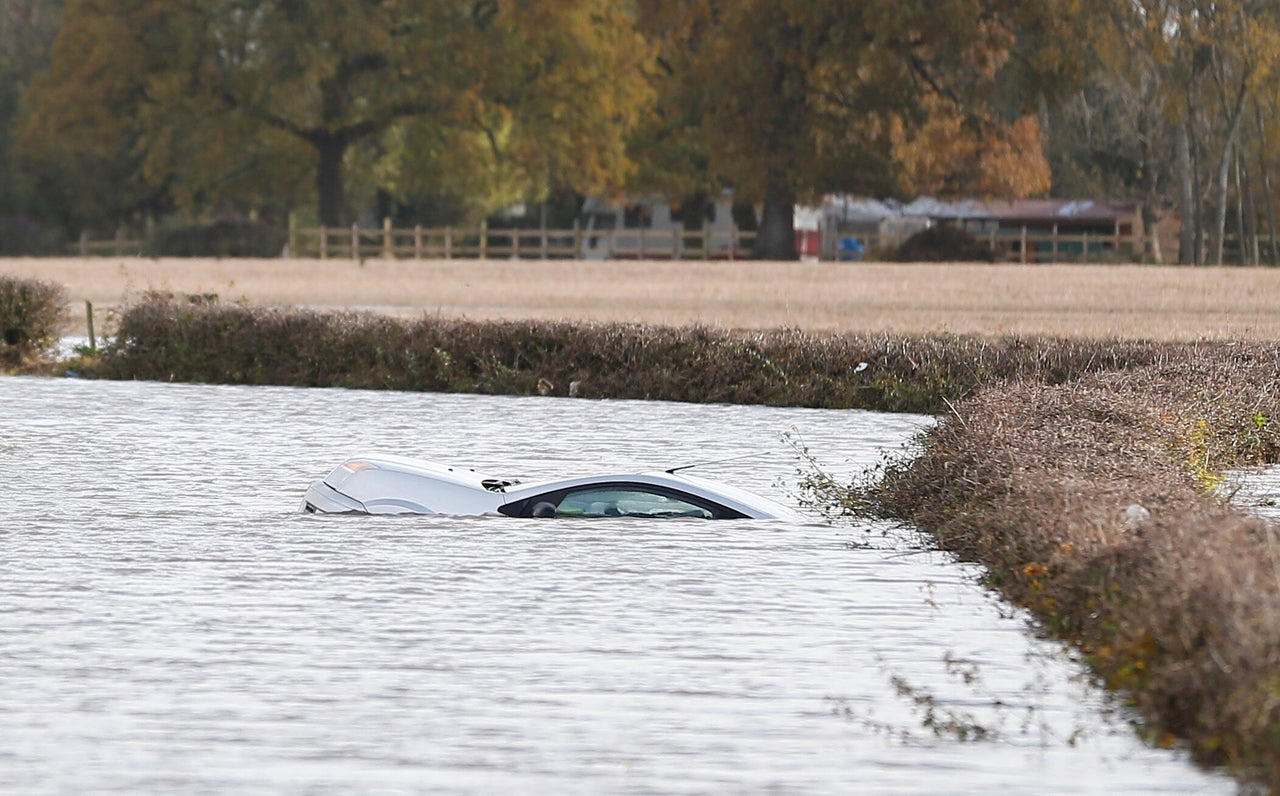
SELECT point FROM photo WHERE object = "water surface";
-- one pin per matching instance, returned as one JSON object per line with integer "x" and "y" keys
{"x": 172, "y": 624}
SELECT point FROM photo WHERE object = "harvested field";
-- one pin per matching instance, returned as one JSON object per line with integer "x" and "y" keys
{"x": 1092, "y": 301}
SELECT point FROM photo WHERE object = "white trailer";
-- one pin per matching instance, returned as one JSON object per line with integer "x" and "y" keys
{"x": 656, "y": 228}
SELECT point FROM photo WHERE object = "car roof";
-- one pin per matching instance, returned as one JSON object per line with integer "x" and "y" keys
{"x": 716, "y": 491}
{"x": 513, "y": 489}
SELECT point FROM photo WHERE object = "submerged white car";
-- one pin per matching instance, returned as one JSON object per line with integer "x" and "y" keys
{"x": 386, "y": 484}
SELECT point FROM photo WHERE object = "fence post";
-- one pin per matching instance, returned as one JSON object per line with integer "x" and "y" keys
{"x": 84, "y": 244}
{"x": 484, "y": 238}
{"x": 293, "y": 236}
{"x": 448, "y": 243}
{"x": 733, "y": 241}
{"x": 88, "y": 321}
{"x": 1054, "y": 236}
{"x": 706, "y": 238}
{"x": 388, "y": 241}
{"x": 417, "y": 241}
{"x": 1024, "y": 244}
{"x": 119, "y": 240}
{"x": 324, "y": 242}
{"x": 577, "y": 239}
{"x": 355, "y": 240}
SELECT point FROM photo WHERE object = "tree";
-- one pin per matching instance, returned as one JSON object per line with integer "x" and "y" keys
{"x": 229, "y": 96}
{"x": 26, "y": 29}
{"x": 563, "y": 85}
{"x": 792, "y": 100}
{"x": 1180, "y": 86}
{"x": 79, "y": 133}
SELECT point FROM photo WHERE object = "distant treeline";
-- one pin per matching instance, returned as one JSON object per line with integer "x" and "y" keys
{"x": 440, "y": 113}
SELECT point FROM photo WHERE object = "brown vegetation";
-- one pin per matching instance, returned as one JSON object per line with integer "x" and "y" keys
{"x": 201, "y": 339}
{"x": 1093, "y": 502}
{"x": 31, "y": 315}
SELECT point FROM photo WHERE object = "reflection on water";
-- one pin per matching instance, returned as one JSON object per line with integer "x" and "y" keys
{"x": 173, "y": 624}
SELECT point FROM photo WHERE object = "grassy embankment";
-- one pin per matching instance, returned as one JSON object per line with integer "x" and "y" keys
{"x": 1081, "y": 473}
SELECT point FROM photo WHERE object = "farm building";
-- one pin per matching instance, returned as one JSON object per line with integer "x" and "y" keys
{"x": 1020, "y": 230}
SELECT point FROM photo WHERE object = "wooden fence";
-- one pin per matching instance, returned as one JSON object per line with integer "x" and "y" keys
{"x": 118, "y": 246}
{"x": 485, "y": 242}
{"x": 1021, "y": 245}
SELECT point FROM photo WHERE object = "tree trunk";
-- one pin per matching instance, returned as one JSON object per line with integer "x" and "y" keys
{"x": 1186, "y": 199}
{"x": 1266, "y": 192}
{"x": 1245, "y": 215}
{"x": 776, "y": 239}
{"x": 1224, "y": 173}
{"x": 1151, "y": 249}
{"x": 329, "y": 187}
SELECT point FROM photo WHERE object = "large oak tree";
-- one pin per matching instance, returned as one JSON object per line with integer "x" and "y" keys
{"x": 784, "y": 101}
{"x": 214, "y": 98}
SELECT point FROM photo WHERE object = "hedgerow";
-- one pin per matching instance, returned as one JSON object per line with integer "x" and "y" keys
{"x": 200, "y": 339}
{"x": 31, "y": 313}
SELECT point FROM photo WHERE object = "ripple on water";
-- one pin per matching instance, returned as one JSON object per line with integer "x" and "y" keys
{"x": 173, "y": 624}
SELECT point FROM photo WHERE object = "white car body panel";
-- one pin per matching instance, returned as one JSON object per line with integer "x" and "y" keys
{"x": 387, "y": 484}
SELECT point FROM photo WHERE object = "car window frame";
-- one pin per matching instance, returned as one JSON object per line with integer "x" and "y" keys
{"x": 719, "y": 511}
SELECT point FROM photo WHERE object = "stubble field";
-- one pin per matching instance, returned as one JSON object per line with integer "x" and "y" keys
{"x": 1091, "y": 301}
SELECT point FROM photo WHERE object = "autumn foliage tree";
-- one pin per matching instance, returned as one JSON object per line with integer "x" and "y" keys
{"x": 26, "y": 27}
{"x": 791, "y": 100}
{"x": 1180, "y": 114}
{"x": 214, "y": 98}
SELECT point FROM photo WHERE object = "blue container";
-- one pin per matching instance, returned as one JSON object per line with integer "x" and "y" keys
{"x": 851, "y": 249}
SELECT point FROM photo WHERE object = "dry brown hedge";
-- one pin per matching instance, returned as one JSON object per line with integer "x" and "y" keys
{"x": 1095, "y": 504}
{"x": 164, "y": 337}
{"x": 31, "y": 314}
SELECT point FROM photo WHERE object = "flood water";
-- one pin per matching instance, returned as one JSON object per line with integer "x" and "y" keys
{"x": 173, "y": 624}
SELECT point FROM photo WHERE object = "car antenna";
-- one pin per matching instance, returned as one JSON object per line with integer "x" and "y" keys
{"x": 716, "y": 461}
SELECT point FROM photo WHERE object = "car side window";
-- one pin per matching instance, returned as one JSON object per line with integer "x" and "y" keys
{"x": 619, "y": 500}
{"x": 626, "y": 502}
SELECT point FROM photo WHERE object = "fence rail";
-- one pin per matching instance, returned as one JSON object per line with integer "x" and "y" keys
{"x": 485, "y": 242}
{"x": 1019, "y": 244}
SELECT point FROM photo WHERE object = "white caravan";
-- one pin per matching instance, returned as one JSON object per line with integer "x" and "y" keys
{"x": 656, "y": 228}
